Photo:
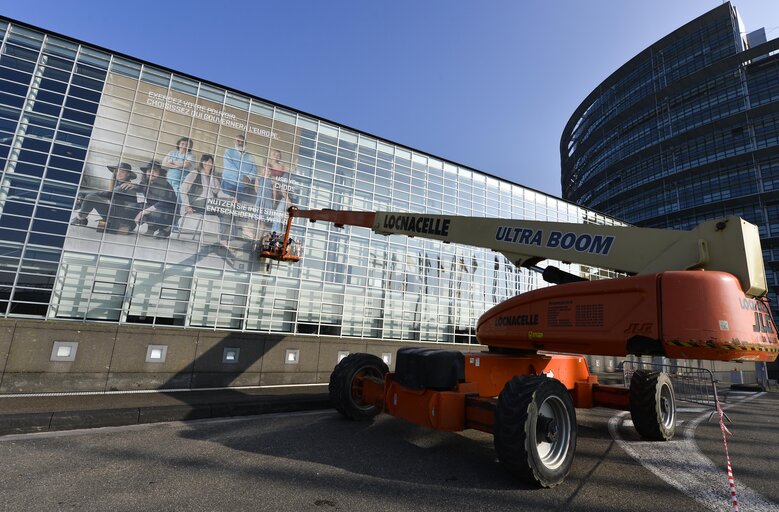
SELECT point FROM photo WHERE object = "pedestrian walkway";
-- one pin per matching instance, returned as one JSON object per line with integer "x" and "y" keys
{"x": 43, "y": 412}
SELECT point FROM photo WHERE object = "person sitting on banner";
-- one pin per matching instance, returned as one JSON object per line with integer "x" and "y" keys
{"x": 276, "y": 195}
{"x": 239, "y": 171}
{"x": 159, "y": 209}
{"x": 200, "y": 186}
{"x": 179, "y": 163}
{"x": 117, "y": 206}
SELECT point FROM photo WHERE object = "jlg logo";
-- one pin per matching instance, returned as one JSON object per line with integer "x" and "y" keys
{"x": 638, "y": 328}
{"x": 762, "y": 323}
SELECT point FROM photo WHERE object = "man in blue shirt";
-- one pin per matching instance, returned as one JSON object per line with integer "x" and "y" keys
{"x": 240, "y": 172}
{"x": 178, "y": 163}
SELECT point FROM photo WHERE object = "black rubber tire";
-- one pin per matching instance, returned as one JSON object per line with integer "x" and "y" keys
{"x": 341, "y": 390}
{"x": 652, "y": 405}
{"x": 521, "y": 439}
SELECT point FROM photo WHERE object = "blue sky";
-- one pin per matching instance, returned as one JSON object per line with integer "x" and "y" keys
{"x": 489, "y": 84}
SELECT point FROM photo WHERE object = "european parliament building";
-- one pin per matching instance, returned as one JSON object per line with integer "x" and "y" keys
{"x": 104, "y": 288}
{"x": 687, "y": 130}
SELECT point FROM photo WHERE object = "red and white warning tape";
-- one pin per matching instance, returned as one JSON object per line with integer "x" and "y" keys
{"x": 731, "y": 482}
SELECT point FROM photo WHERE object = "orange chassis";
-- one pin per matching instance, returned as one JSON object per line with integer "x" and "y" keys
{"x": 472, "y": 404}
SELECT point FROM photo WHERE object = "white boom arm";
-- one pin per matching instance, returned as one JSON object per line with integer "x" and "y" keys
{"x": 730, "y": 245}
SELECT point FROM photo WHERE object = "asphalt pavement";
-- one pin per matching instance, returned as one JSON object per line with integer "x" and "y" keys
{"x": 317, "y": 460}
{"x": 42, "y": 412}
{"x": 615, "y": 470}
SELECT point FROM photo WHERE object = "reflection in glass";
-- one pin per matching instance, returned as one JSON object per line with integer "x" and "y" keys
{"x": 200, "y": 266}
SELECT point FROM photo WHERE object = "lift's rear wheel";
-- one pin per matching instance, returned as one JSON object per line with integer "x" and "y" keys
{"x": 652, "y": 405}
{"x": 346, "y": 385}
{"x": 535, "y": 429}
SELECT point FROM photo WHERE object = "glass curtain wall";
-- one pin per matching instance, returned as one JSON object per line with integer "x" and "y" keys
{"x": 686, "y": 131}
{"x": 132, "y": 194}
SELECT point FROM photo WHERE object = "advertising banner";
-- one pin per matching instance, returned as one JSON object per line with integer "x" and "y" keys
{"x": 179, "y": 178}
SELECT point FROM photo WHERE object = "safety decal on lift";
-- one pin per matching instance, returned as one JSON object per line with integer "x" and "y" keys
{"x": 724, "y": 346}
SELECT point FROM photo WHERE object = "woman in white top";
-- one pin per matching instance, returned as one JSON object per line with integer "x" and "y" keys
{"x": 199, "y": 186}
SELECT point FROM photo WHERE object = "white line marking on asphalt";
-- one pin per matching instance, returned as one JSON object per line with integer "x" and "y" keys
{"x": 692, "y": 409}
{"x": 140, "y": 426}
{"x": 152, "y": 391}
{"x": 679, "y": 463}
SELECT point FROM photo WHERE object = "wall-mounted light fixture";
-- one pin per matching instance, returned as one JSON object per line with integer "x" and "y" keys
{"x": 156, "y": 353}
{"x": 64, "y": 351}
{"x": 230, "y": 355}
{"x": 292, "y": 356}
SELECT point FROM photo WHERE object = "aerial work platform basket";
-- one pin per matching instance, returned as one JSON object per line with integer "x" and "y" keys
{"x": 280, "y": 247}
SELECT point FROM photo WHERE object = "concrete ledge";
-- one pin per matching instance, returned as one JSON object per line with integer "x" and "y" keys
{"x": 78, "y": 412}
{"x": 174, "y": 413}
{"x": 91, "y": 419}
{"x": 24, "y": 423}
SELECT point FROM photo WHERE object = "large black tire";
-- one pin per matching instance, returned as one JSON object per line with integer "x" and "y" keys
{"x": 535, "y": 429}
{"x": 652, "y": 405}
{"x": 345, "y": 392}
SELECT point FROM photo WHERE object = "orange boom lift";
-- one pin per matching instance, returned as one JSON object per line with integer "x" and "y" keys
{"x": 695, "y": 294}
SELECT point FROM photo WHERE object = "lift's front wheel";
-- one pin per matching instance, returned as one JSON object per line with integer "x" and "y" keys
{"x": 652, "y": 405}
{"x": 346, "y": 385}
{"x": 535, "y": 429}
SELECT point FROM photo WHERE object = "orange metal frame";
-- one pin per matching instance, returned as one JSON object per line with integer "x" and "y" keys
{"x": 339, "y": 218}
{"x": 680, "y": 314}
{"x": 472, "y": 403}
{"x": 282, "y": 253}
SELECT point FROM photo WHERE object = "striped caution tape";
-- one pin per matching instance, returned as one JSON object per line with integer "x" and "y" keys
{"x": 731, "y": 481}
{"x": 725, "y": 346}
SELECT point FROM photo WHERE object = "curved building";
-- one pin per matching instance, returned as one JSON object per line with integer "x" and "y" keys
{"x": 685, "y": 131}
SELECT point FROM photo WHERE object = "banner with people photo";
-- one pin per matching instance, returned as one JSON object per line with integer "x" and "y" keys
{"x": 177, "y": 177}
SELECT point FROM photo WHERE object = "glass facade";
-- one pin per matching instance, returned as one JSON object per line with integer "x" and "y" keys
{"x": 137, "y": 195}
{"x": 686, "y": 131}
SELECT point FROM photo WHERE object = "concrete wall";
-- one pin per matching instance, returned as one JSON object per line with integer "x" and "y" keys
{"x": 112, "y": 357}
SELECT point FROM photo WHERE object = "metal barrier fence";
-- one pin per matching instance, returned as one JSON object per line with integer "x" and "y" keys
{"x": 695, "y": 385}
